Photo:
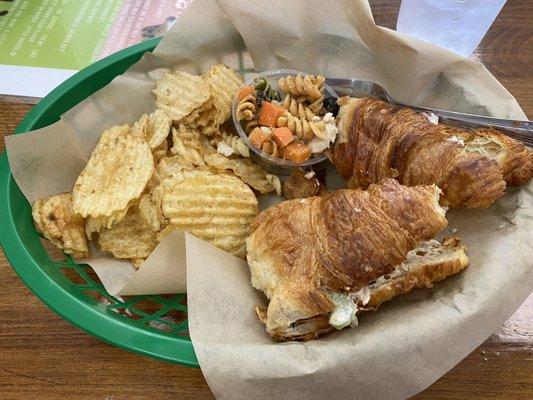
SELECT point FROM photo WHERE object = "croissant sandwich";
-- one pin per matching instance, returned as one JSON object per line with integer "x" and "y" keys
{"x": 378, "y": 140}
{"x": 320, "y": 260}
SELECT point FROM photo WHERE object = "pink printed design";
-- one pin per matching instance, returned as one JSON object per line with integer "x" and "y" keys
{"x": 139, "y": 20}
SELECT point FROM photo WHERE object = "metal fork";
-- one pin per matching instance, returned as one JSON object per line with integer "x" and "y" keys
{"x": 519, "y": 130}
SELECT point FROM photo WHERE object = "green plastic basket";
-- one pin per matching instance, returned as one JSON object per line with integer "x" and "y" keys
{"x": 155, "y": 326}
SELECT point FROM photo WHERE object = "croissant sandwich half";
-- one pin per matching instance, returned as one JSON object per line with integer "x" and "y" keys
{"x": 378, "y": 140}
{"x": 320, "y": 260}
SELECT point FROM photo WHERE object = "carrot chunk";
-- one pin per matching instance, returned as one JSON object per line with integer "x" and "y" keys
{"x": 297, "y": 152}
{"x": 245, "y": 91}
{"x": 283, "y": 136}
{"x": 258, "y": 137}
{"x": 269, "y": 114}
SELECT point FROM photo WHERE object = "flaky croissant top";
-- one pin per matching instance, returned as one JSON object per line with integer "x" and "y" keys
{"x": 378, "y": 140}
{"x": 299, "y": 249}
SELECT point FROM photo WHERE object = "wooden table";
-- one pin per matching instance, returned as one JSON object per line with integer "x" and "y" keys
{"x": 44, "y": 357}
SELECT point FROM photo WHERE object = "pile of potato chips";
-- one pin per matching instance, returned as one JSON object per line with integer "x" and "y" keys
{"x": 164, "y": 172}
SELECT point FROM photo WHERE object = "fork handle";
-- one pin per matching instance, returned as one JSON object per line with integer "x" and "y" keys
{"x": 519, "y": 130}
{"x": 481, "y": 120}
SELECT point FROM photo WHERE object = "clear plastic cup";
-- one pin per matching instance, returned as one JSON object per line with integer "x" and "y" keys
{"x": 274, "y": 164}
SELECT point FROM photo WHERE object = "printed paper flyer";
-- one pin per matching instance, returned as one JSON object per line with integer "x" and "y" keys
{"x": 44, "y": 42}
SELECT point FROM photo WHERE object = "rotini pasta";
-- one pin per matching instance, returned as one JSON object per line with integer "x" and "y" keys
{"x": 265, "y": 91}
{"x": 249, "y": 125}
{"x": 270, "y": 147}
{"x": 234, "y": 142}
{"x": 299, "y": 127}
{"x": 303, "y": 85}
{"x": 318, "y": 128}
{"x": 246, "y": 107}
{"x": 317, "y": 106}
{"x": 297, "y": 109}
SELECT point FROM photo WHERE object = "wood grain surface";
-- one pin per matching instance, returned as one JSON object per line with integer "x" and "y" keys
{"x": 44, "y": 357}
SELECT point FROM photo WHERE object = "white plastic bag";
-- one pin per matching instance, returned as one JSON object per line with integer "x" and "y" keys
{"x": 458, "y": 25}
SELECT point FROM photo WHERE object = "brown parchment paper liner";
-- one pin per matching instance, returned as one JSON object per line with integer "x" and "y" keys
{"x": 395, "y": 352}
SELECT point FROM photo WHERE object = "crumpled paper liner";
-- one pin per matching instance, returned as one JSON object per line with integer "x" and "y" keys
{"x": 395, "y": 352}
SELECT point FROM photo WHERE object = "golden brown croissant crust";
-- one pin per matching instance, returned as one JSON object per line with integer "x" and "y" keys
{"x": 378, "y": 140}
{"x": 300, "y": 248}
{"x": 514, "y": 158}
{"x": 361, "y": 234}
{"x": 433, "y": 265}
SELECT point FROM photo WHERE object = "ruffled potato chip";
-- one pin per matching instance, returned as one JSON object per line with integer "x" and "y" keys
{"x": 129, "y": 238}
{"x": 202, "y": 116}
{"x": 244, "y": 168}
{"x": 179, "y": 93}
{"x": 153, "y": 128}
{"x": 191, "y": 145}
{"x": 168, "y": 172}
{"x": 160, "y": 151}
{"x": 133, "y": 193}
{"x": 137, "y": 262}
{"x": 115, "y": 176}
{"x": 196, "y": 149}
{"x": 216, "y": 208}
{"x": 55, "y": 219}
{"x": 139, "y": 127}
{"x": 206, "y": 122}
{"x": 150, "y": 210}
{"x": 171, "y": 168}
{"x": 224, "y": 84}
{"x": 96, "y": 224}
